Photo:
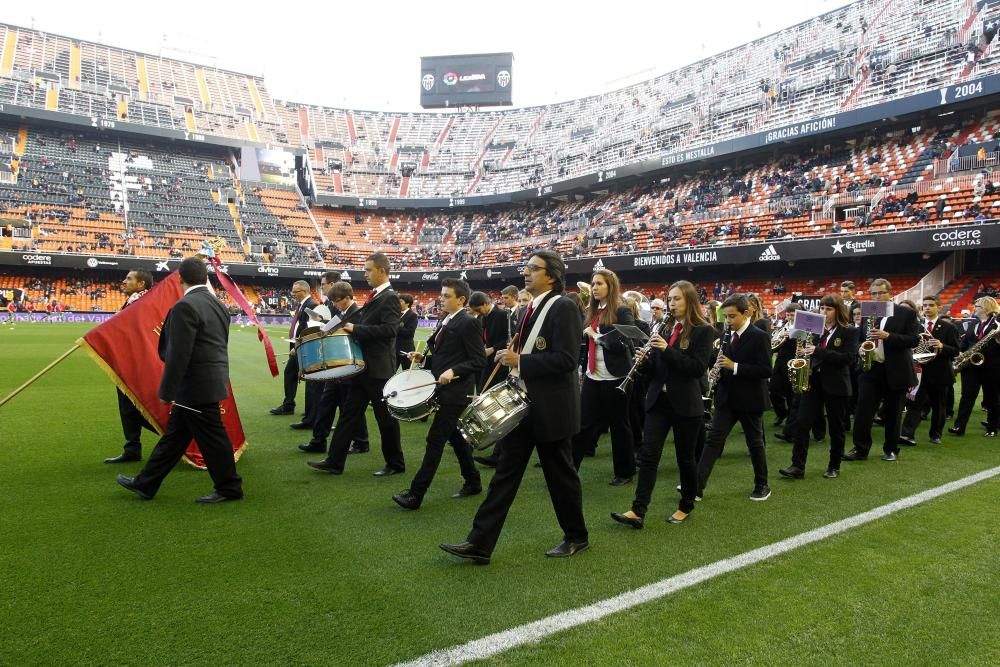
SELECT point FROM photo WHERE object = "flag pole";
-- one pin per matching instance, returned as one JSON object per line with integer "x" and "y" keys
{"x": 38, "y": 375}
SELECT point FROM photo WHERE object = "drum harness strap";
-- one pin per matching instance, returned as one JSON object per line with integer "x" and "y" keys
{"x": 529, "y": 344}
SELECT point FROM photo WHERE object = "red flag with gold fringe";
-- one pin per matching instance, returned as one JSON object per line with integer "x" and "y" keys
{"x": 125, "y": 347}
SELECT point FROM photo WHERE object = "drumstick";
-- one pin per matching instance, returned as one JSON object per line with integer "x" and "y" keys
{"x": 413, "y": 362}
{"x": 393, "y": 394}
{"x": 489, "y": 380}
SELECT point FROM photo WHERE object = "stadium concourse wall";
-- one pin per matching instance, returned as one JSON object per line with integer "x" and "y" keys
{"x": 928, "y": 241}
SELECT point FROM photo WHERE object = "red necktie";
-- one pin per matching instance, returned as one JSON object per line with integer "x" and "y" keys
{"x": 592, "y": 345}
{"x": 675, "y": 334}
{"x": 826, "y": 338}
{"x": 736, "y": 339}
{"x": 930, "y": 327}
{"x": 524, "y": 323}
{"x": 295, "y": 319}
{"x": 981, "y": 328}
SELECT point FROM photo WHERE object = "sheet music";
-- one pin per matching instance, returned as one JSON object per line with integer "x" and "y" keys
{"x": 332, "y": 324}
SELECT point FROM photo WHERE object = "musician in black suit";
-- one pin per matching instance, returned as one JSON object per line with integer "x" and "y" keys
{"x": 744, "y": 367}
{"x": 544, "y": 357}
{"x": 847, "y": 295}
{"x": 407, "y": 329}
{"x": 986, "y": 375}
{"x": 374, "y": 327}
{"x": 830, "y": 359}
{"x": 675, "y": 363}
{"x": 457, "y": 355}
{"x": 889, "y": 378}
{"x": 936, "y": 375}
{"x": 608, "y": 360}
{"x": 340, "y": 301}
{"x": 195, "y": 378}
{"x": 779, "y": 389}
{"x": 302, "y": 294}
{"x": 135, "y": 286}
{"x": 494, "y": 325}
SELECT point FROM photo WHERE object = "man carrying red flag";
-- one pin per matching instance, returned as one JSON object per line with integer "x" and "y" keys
{"x": 193, "y": 346}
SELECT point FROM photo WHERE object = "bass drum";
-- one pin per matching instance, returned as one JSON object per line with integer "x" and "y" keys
{"x": 329, "y": 356}
{"x": 410, "y": 395}
{"x": 494, "y": 414}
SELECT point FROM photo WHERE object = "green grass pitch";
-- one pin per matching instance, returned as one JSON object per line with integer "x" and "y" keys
{"x": 320, "y": 570}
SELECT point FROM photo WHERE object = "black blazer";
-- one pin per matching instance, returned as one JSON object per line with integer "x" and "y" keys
{"x": 764, "y": 324}
{"x": 404, "y": 336}
{"x": 938, "y": 371}
{"x": 494, "y": 327}
{"x": 375, "y": 330}
{"x": 991, "y": 351}
{"x": 617, "y": 351}
{"x": 303, "y": 317}
{"x": 549, "y": 371}
{"x": 193, "y": 348}
{"x": 746, "y": 391}
{"x": 831, "y": 368}
{"x": 458, "y": 346}
{"x": 681, "y": 369}
{"x": 904, "y": 334}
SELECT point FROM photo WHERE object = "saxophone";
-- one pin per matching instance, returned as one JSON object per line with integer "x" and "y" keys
{"x": 974, "y": 355}
{"x": 800, "y": 367}
{"x": 868, "y": 347}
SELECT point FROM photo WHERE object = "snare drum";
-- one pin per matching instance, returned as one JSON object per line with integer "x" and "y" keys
{"x": 410, "y": 395}
{"x": 329, "y": 356}
{"x": 494, "y": 414}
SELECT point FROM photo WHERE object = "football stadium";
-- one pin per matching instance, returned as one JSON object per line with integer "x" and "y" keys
{"x": 440, "y": 368}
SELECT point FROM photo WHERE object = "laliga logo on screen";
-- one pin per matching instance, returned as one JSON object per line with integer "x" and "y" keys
{"x": 503, "y": 78}
{"x": 427, "y": 82}
{"x": 450, "y": 79}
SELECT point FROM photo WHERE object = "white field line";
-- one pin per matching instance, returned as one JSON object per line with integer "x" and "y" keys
{"x": 536, "y": 631}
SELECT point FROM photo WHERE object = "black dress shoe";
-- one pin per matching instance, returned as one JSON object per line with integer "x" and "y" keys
{"x": 907, "y": 442}
{"x": 300, "y": 426}
{"x": 122, "y": 458}
{"x": 283, "y": 410}
{"x": 565, "y": 549}
{"x": 779, "y": 421}
{"x": 216, "y": 497}
{"x": 636, "y": 522}
{"x": 357, "y": 449}
{"x": 891, "y": 456}
{"x": 935, "y": 440}
{"x": 468, "y": 490}
{"x": 991, "y": 434}
{"x": 325, "y": 466}
{"x": 312, "y": 449}
{"x": 407, "y": 500}
{"x": 831, "y": 473}
{"x": 620, "y": 481}
{"x": 792, "y": 472}
{"x": 129, "y": 483}
{"x": 855, "y": 455}
{"x": 386, "y": 472}
{"x": 779, "y": 436}
{"x": 878, "y": 421}
{"x": 956, "y": 431}
{"x": 488, "y": 461}
{"x": 468, "y": 551}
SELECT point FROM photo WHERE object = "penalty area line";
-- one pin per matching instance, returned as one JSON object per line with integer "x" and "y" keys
{"x": 490, "y": 645}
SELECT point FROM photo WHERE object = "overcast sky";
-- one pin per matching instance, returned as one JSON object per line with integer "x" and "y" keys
{"x": 366, "y": 55}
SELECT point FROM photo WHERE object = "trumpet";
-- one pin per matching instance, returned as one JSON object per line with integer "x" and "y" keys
{"x": 640, "y": 355}
{"x": 974, "y": 355}
{"x": 868, "y": 347}
{"x": 800, "y": 367}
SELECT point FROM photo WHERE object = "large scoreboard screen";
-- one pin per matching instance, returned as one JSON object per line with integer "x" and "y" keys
{"x": 482, "y": 79}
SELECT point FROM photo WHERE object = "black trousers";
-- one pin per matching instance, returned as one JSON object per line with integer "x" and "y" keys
{"x": 332, "y": 397}
{"x": 935, "y": 396}
{"x": 973, "y": 379}
{"x": 792, "y": 424}
{"x": 636, "y": 412}
{"x": 687, "y": 431}
{"x": 132, "y": 424}
{"x": 779, "y": 389}
{"x": 561, "y": 478}
{"x": 361, "y": 391}
{"x": 873, "y": 390}
{"x": 291, "y": 378}
{"x": 724, "y": 418}
{"x": 443, "y": 430}
{"x": 811, "y": 406}
{"x": 602, "y": 405}
{"x": 208, "y": 431}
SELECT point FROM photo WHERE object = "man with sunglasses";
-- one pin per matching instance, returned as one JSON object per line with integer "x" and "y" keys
{"x": 889, "y": 378}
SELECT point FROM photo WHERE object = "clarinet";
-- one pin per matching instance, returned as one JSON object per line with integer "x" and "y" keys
{"x": 626, "y": 384}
